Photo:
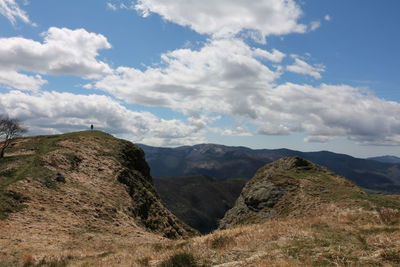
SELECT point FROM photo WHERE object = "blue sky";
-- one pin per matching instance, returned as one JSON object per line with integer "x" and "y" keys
{"x": 307, "y": 75}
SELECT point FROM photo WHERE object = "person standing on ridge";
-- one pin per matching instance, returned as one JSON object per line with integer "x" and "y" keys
{"x": 91, "y": 127}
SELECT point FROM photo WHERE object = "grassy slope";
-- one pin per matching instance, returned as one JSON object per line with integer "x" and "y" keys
{"x": 16, "y": 167}
{"x": 346, "y": 227}
{"x": 338, "y": 237}
{"x": 80, "y": 193}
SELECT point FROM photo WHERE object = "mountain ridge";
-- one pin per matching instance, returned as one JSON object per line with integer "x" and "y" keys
{"x": 386, "y": 159}
{"x": 221, "y": 161}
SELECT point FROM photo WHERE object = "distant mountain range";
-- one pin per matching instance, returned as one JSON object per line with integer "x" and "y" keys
{"x": 387, "y": 159}
{"x": 227, "y": 162}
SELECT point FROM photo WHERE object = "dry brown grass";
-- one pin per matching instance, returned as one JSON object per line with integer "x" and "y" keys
{"x": 336, "y": 238}
{"x": 389, "y": 216}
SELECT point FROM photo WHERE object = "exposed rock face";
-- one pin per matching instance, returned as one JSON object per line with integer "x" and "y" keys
{"x": 146, "y": 204}
{"x": 288, "y": 186}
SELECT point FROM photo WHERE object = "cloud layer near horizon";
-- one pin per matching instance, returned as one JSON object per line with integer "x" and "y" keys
{"x": 54, "y": 112}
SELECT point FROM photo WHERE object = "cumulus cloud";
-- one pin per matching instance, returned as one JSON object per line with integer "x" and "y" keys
{"x": 215, "y": 78}
{"x": 11, "y": 10}
{"x": 330, "y": 111}
{"x": 302, "y": 67}
{"x": 226, "y": 17}
{"x": 227, "y": 77}
{"x": 63, "y": 52}
{"x": 62, "y": 112}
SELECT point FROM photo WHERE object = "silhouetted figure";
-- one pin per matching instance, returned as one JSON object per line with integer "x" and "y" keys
{"x": 91, "y": 127}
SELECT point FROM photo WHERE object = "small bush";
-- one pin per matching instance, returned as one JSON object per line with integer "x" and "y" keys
{"x": 158, "y": 247}
{"x": 180, "y": 260}
{"x": 8, "y": 173}
{"x": 392, "y": 256}
{"x": 28, "y": 261}
{"x": 221, "y": 242}
{"x": 10, "y": 202}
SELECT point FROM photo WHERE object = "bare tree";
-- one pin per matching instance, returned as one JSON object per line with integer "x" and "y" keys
{"x": 10, "y": 129}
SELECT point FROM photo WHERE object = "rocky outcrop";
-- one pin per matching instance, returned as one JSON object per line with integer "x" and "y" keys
{"x": 289, "y": 186}
{"x": 146, "y": 205}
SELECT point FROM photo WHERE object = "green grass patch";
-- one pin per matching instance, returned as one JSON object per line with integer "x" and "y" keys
{"x": 10, "y": 202}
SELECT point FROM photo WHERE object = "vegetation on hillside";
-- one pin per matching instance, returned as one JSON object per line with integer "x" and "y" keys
{"x": 338, "y": 237}
{"x": 78, "y": 190}
{"x": 67, "y": 207}
{"x": 24, "y": 159}
{"x": 298, "y": 188}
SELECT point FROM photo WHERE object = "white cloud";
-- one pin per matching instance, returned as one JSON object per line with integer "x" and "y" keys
{"x": 318, "y": 139}
{"x": 11, "y": 10}
{"x": 234, "y": 131}
{"x": 328, "y": 18}
{"x": 302, "y": 67}
{"x": 62, "y": 112}
{"x": 329, "y": 111}
{"x": 227, "y": 77}
{"x": 274, "y": 56}
{"x": 315, "y": 25}
{"x": 21, "y": 81}
{"x": 111, "y": 6}
{"x": 227, "y": 17}
{"x": 63, "y": 52}
{"x": 267, "y": 128}
{"x": 214, "y": 78}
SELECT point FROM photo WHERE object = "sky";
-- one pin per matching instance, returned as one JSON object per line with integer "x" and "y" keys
{"x": 308, "y": 75}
